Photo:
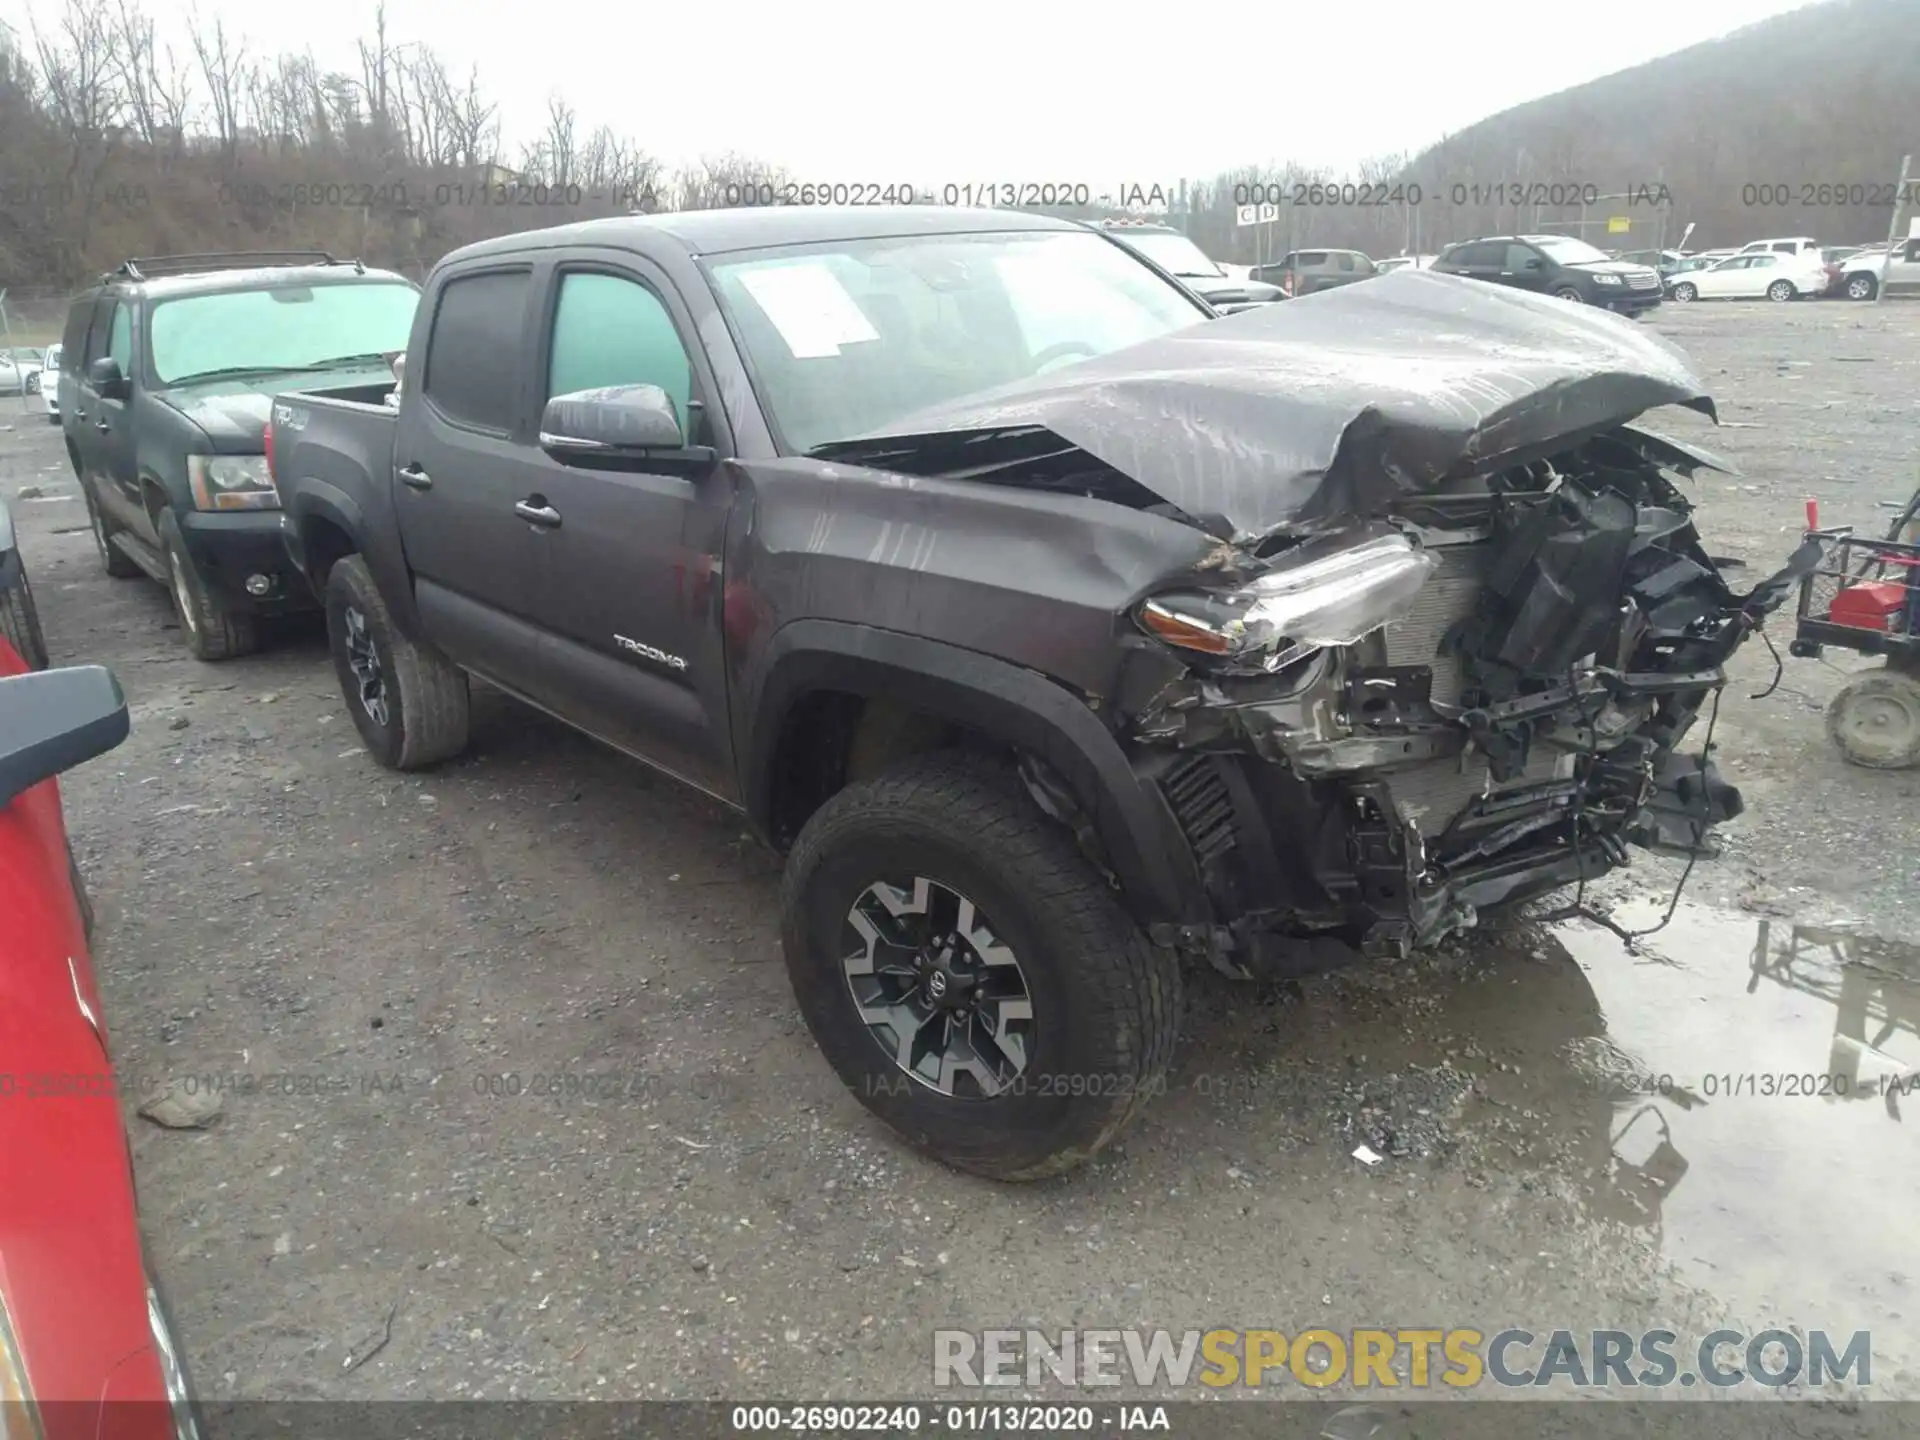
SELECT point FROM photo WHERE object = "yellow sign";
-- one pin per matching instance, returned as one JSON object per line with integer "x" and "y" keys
{"x": 1618, "y": 224}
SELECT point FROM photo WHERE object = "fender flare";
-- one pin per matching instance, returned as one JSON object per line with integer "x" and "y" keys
{"x": 318, "y": 499}
{"x": 1014, "y": 705}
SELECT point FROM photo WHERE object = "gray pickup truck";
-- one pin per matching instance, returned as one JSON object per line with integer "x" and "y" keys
{"x": 1059, "y": 634}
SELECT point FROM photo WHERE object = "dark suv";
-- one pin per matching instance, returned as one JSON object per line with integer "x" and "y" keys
{"x": 167, "y": 369}
{"x": 1556, "y": 265}
{"x": 1304, "y": 271}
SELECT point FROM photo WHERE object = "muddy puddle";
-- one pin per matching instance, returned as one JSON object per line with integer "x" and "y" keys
{"x": 1765, "y": 1128}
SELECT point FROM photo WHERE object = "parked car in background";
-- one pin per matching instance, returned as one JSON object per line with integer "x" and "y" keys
{"x": 1761, "y": 275}
{"x": 86, "y": 1348}
{"x": 1555, "y": 265}
{"x": 1794, "y": 245}
{"x": 1112, "y": 726}
{"x": 1666, "y": 262}
{"x": 1866, "y": 273}
{"x": 1402, "y": 262}
{"x": 1302, "y": 272}
{"x": 1176, "y": 254}
{"x": 45, "y": 383}
{"x": 1705, "y": 259}
{"x": 15, "y": 367}
{"x": 168, "y": 368}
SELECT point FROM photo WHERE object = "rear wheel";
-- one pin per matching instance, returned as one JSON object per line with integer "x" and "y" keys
{"x": 409, "y": 702}
{"x": 968, "y": 975}
{"x": 1686, "y": 292}
{"x": 1781, "y": 291}
{"x": 212, "y": 631}
{"x": 1862, "y": 287}
{"x": 1875, "y": 720}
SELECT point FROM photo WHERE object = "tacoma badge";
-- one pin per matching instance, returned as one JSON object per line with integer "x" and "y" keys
{"x": 661, "y": 656}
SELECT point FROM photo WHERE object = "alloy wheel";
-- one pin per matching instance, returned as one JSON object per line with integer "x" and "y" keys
{"x": 364, "y": 660}
{"x": 937, "y": 989}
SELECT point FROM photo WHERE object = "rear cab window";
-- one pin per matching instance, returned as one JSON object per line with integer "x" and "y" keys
{"x": 472, "y": 362}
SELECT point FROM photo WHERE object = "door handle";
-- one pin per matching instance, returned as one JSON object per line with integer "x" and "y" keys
{"x": 414, "y": 478}
{"x": 543, "y": 515}
{"x": 103, "y": 425}
{"x": 79, "y": 414}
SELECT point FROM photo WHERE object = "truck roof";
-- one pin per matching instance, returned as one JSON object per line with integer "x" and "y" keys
{"x": 715, "y": 232}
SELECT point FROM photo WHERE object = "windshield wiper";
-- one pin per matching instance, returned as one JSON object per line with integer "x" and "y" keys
{"x": 232, "y": 372}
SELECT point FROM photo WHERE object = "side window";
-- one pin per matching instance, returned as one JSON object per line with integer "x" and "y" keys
{"x": 1346, "y": 260}
{"x": 1786, "y": 247}
{"x": 1762, "y": 262}
{"x": 1517, "y": 257}
{"x": 98, "y": 330}
{"x": 120, "y": 338}
{"x": 1313, "y": 259}
{"x": 73, "y": 340}
{"x": 608, "y": 330}
{"x": 474, "y": 346}
{"x": 1913, "y": 252}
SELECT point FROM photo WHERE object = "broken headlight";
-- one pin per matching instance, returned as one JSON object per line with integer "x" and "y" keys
{"x": 1325, "y": 597}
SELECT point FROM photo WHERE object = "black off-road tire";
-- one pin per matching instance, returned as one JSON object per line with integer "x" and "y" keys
{"x": 115, "y": 561}
{"x": 1106, "y": 1002}
{"x": 212, "y": 632}
{"x": 20, "y": 623}
{"x": 425, "y": 694}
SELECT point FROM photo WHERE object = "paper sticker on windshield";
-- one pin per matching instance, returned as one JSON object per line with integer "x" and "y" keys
{"x": 810, "y": 308}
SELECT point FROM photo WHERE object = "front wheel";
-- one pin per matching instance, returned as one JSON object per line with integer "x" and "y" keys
{"x": 213, "y": 631}
{"x": 409, "y": 702}
{"x": 1781, "y": 291}
{"x": 967, "y": 973}
{"x": 1862, "y": 287}
{"x": 1875, "y": 720}
{"x": 1567, "y": 292}
{"x": 1686, "y": 293}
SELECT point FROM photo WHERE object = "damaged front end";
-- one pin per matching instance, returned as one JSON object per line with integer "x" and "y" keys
{"x": 1384, "y": 731}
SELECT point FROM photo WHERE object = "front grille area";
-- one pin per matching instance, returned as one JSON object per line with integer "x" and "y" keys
{"x": 1644, "y": 282}
{"x": 1202, "y": 805}
{"x": 1429, "y": 796}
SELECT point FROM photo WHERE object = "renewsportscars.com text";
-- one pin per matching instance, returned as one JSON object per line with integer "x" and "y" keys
{"x": 1457, "y": 1358}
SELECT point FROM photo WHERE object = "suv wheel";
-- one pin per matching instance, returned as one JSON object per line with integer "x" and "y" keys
{"x": 1568, "y": 292}
{"x": 1781, "y": 291}
{"x": 212, "y": 631}
{"x": 115, "y": 561}
{"x": 1686, "y": 292}
{"x": 409, "y": 702}
{"x": 968, "y": 975}
{"x": 1861, "y": 287}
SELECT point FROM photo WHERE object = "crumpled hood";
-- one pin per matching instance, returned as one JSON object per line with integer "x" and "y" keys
{"x": 233, "y": 418}
{"x": 1292, "y": 417}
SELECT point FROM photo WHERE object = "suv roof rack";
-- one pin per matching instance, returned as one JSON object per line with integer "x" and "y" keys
{"x": 146, "y": 267}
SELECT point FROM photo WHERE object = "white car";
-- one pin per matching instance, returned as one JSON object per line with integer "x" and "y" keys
{"x": 49, "y": 384}
{"x": 1402, "y": 262}
{"x": 1867, "y": 273}
{"x": 1749, "y": 277}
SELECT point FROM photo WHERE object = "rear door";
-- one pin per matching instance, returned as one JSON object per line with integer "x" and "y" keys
{"x": 1480, "y": 260}
{"x": 460, "y": 445}
{"x": 634, "y": 595}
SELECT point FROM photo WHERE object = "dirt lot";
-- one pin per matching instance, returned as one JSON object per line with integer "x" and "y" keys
{"x": 718, "y": 1219}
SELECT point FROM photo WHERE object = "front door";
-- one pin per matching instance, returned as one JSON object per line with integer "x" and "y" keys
{"x": 634, "y": 587}
{"x": 1523, "y": 267}
{"x": 103, "y": 430}
{"x": 460, "y": 445}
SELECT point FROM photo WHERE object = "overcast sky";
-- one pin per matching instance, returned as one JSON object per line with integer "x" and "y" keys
{"x": 991, "y": 90}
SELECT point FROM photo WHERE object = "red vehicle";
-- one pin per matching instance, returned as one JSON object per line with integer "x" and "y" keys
{"x": 85, "y": 1349}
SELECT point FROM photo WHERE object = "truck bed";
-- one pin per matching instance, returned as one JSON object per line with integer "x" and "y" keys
{"x": 333, "y": 464}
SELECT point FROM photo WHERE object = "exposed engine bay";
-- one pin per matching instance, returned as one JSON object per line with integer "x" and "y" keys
{"x": 1520, "y": 724}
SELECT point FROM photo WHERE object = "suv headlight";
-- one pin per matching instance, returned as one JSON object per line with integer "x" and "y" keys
{"x": 1322, "y": 599}
{"x": 1602, "y": 278}
{"x": 231, "y": 482}
{"x": 19, "y": 1416}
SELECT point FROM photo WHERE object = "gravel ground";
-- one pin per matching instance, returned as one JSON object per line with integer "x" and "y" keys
{"x": 374, "y": 1215}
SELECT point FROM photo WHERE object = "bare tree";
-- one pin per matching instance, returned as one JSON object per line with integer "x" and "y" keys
{"x": 225, "y": 68}
{"x": 80, "y": 76}
{"x": 729, "y": 179}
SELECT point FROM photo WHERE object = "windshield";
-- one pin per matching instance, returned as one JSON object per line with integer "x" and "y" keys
{"x": 1175, "y": 254}
{"x": 287, "y": 327}
{"x": 1569, "y": 251}
{"x": 848, "y": 338}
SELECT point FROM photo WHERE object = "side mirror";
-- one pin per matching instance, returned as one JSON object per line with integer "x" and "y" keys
{"x": 620, "y": 427}
{"x": 107, "y": 380}
{"x": 53, "y": 720}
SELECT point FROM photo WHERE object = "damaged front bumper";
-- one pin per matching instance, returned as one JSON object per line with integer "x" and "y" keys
{"x": 1516, "y": 731}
